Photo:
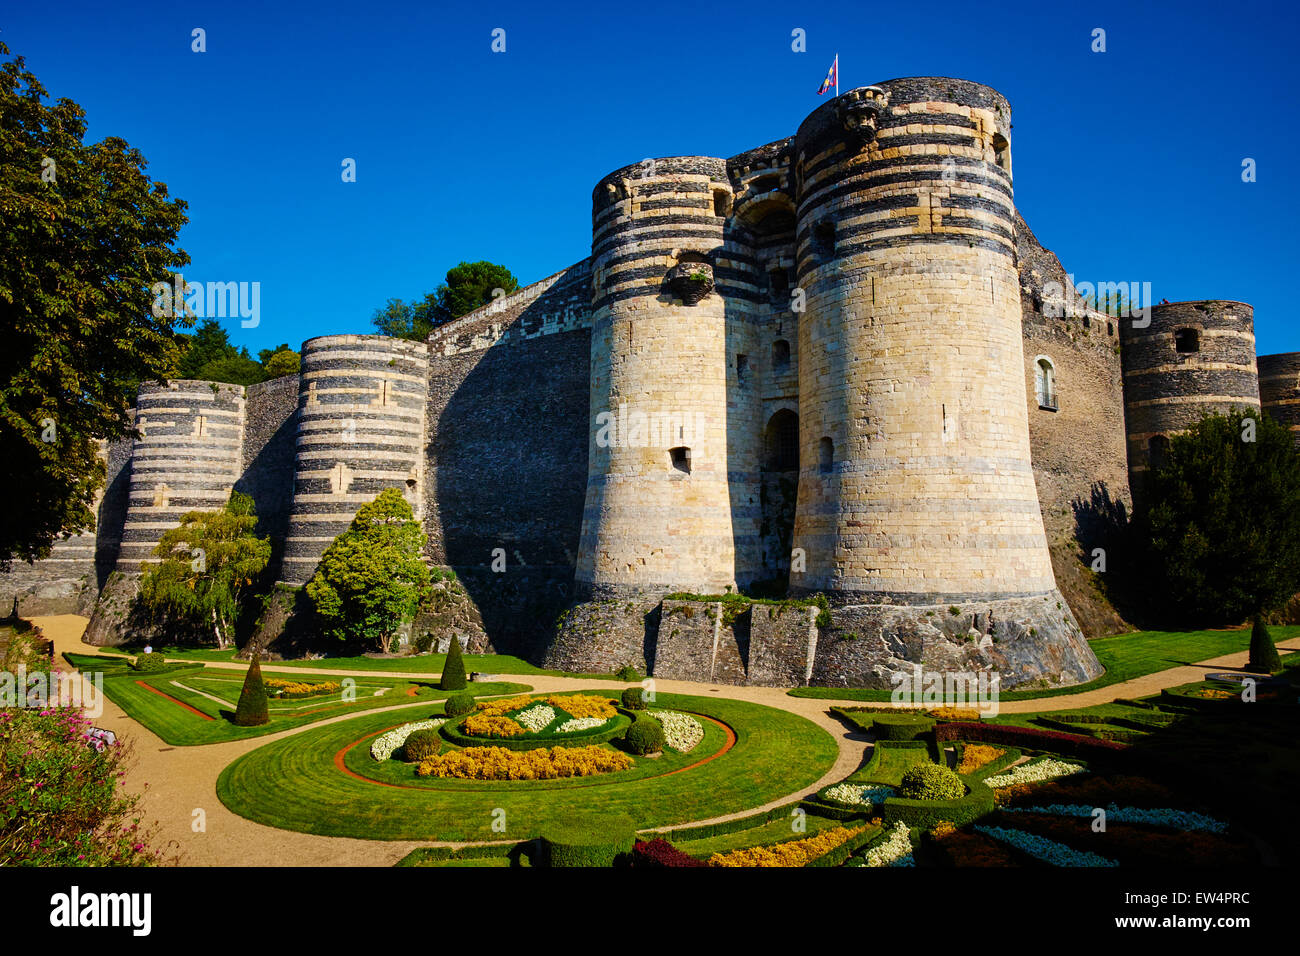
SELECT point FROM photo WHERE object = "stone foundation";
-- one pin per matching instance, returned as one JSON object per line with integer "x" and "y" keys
{"x": 1029, "y": 642}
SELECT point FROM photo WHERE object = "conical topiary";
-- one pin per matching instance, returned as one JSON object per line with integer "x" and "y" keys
{"x": 1263, "y": 652}
{"x": 453, "y": 669}
{"x": 252, "y": 710}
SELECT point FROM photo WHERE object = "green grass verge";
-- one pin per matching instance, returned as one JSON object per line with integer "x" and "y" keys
{"x": 1125, "y": 657}
{"x": 777, "y": 831}
{"x": 293, "y": 783}
{"x": 214, "y": 691}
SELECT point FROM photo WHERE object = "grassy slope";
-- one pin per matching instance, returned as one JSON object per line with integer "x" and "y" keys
{"x": 1125, "y": 656}
{"x": 293, "y": 784}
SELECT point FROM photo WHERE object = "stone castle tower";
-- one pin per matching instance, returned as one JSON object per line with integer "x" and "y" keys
{"x": 822, "y": 365}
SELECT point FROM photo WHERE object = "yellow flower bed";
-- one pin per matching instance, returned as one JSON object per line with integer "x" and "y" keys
{"x": 955, "y": 713}
{"x": 490, "y": 725}
{"x": 497, "y": 763}
{"x": 974, "y": 756}
{"x": 794, "y": 853}
{"x": 497, "y": 708}
{"x": 300, "y": 687}
{"x": 577, "y": 705}
{"x": 582, "y": 705}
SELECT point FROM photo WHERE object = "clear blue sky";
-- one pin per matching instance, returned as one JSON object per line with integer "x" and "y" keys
{"x": 1127, "y": 163}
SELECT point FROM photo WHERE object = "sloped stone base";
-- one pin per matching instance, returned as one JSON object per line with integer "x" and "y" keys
{"x": 1027, "y": 642}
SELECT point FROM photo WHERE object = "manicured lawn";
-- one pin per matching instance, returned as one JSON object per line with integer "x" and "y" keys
{"x": 294, "y": 784}
{"x": 423, "y": 664}
{"x": 1125, "y": 656}
{"x": 213, "y": 692}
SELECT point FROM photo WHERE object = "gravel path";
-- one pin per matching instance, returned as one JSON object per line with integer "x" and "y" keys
{"x": 179, "y": 782}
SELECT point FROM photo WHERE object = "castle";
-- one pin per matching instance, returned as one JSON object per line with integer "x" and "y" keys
{"x": 840, "y": 360}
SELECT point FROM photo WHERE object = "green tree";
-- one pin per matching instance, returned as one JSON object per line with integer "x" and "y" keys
{"x": 252, "y": 709}
{"x": 280, "y": 360}
{"x": 453, "y": 668}
{"x": 1263, "y": 652}
{"x": 371, "y": 579}
{"x": 472, "y": 284}
{"x": 206, "y": 565}
{"x": 85, "y": 234}
{"x": 210, "y": 357}
{"x": 1217, "y": 530}
{"x": 466, "y": 287}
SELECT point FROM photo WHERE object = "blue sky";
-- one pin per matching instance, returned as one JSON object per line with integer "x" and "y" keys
{"x": 1127, "y": 163}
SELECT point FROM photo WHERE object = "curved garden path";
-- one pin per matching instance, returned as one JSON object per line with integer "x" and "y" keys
{"x": 177, "y": 781}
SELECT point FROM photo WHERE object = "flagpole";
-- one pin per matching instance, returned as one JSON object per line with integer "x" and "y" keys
{"x": 837, "y": 75}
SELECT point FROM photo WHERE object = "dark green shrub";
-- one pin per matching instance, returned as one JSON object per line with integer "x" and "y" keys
{"x": 453, "y": 669}
{"x": 150, "y": 664}
{"x": 901, "y": 726}
{"x": 930, "y": 782}
{"x": 627, "y": 673}
{"x": 645, "y": 736}
{"x": 634, "y": 698}
{"x": 422, "y": 744}
{"x": 251, "y": 711}
{"x": 458, "y": 704}
{"x": 601, "y": 841}
{"x": 1263, "y": 652}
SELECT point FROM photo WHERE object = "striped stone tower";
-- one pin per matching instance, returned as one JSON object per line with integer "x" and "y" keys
{"x": 187, "y": 457}
{"x": 361, "y": 414}
{"x": 1195, "y": 358}
{"x": 658, "y": 513}
{"x": 1279, "y": 389}
{"x": 916, "y": 485}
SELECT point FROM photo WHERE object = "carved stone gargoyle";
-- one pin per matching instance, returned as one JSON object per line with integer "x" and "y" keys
{"x": 859, "y": 113}
{"x": 690, "y": 281}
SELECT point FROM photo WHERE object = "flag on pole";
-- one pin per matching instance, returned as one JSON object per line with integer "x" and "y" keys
{"x": 832, "y": 78}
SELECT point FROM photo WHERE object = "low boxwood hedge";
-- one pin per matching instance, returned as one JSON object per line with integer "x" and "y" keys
{"x": 1009, "y": 756}
{"x": 841, "y": 853}
{"x": 1027, "y": 738}
{"x": 924, "y": 814}
{"x": 616, "y": 727}
{"x": 706, "y": 830}
{"x": 901, "y": 726}
{"x": 578, "y": 842}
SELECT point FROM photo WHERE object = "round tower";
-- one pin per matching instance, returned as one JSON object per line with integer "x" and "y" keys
{"x": 659, "y": 509}
{"x": 1193, "y": 359}
{"x": 361, "y": 414}
{"x": 187, "y": 457}
{"x": 1279, "y": 388}
{"x": 916, "y": 485}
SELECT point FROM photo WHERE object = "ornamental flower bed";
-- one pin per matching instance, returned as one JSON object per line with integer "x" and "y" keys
{"x": 536, "y": 718}
{"x": 659, "y": 853}
{"x": 491, "y": 725}
{"x": 385, "y": 745}
{"x": 1134, "y": 844}
{"x": 1041, "y": 848}
{"x": 1094, "y": 791}
{"x": 792, "y": 853}
{"x": 896, "y": 850}
{"x": 1036, "y": 771}
{"x": 682, "y": 732}
{"x": 581, "y": 723}
{"x": 1159, "y": 817}
{"x": 859, "y": 795}
{"x": 293, "y": 688}
{"x": 974, "y": 756}
{"x": 960, "y": 848}
{"x": 497, "y": 763}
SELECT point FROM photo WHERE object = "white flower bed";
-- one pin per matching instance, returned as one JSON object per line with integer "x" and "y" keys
{"x": 385, "y": 745}
{"x": 1041, "y": 848}
{"x": 856, "y": 794}
{"x": 895, "y": 851}
{"x": 682, "y": 732}
{"x": 1177, "y": 819}
{"x": 537, "y": 718}
{"x": 1036, "y": 772}
{"x": 575, "y": 724}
